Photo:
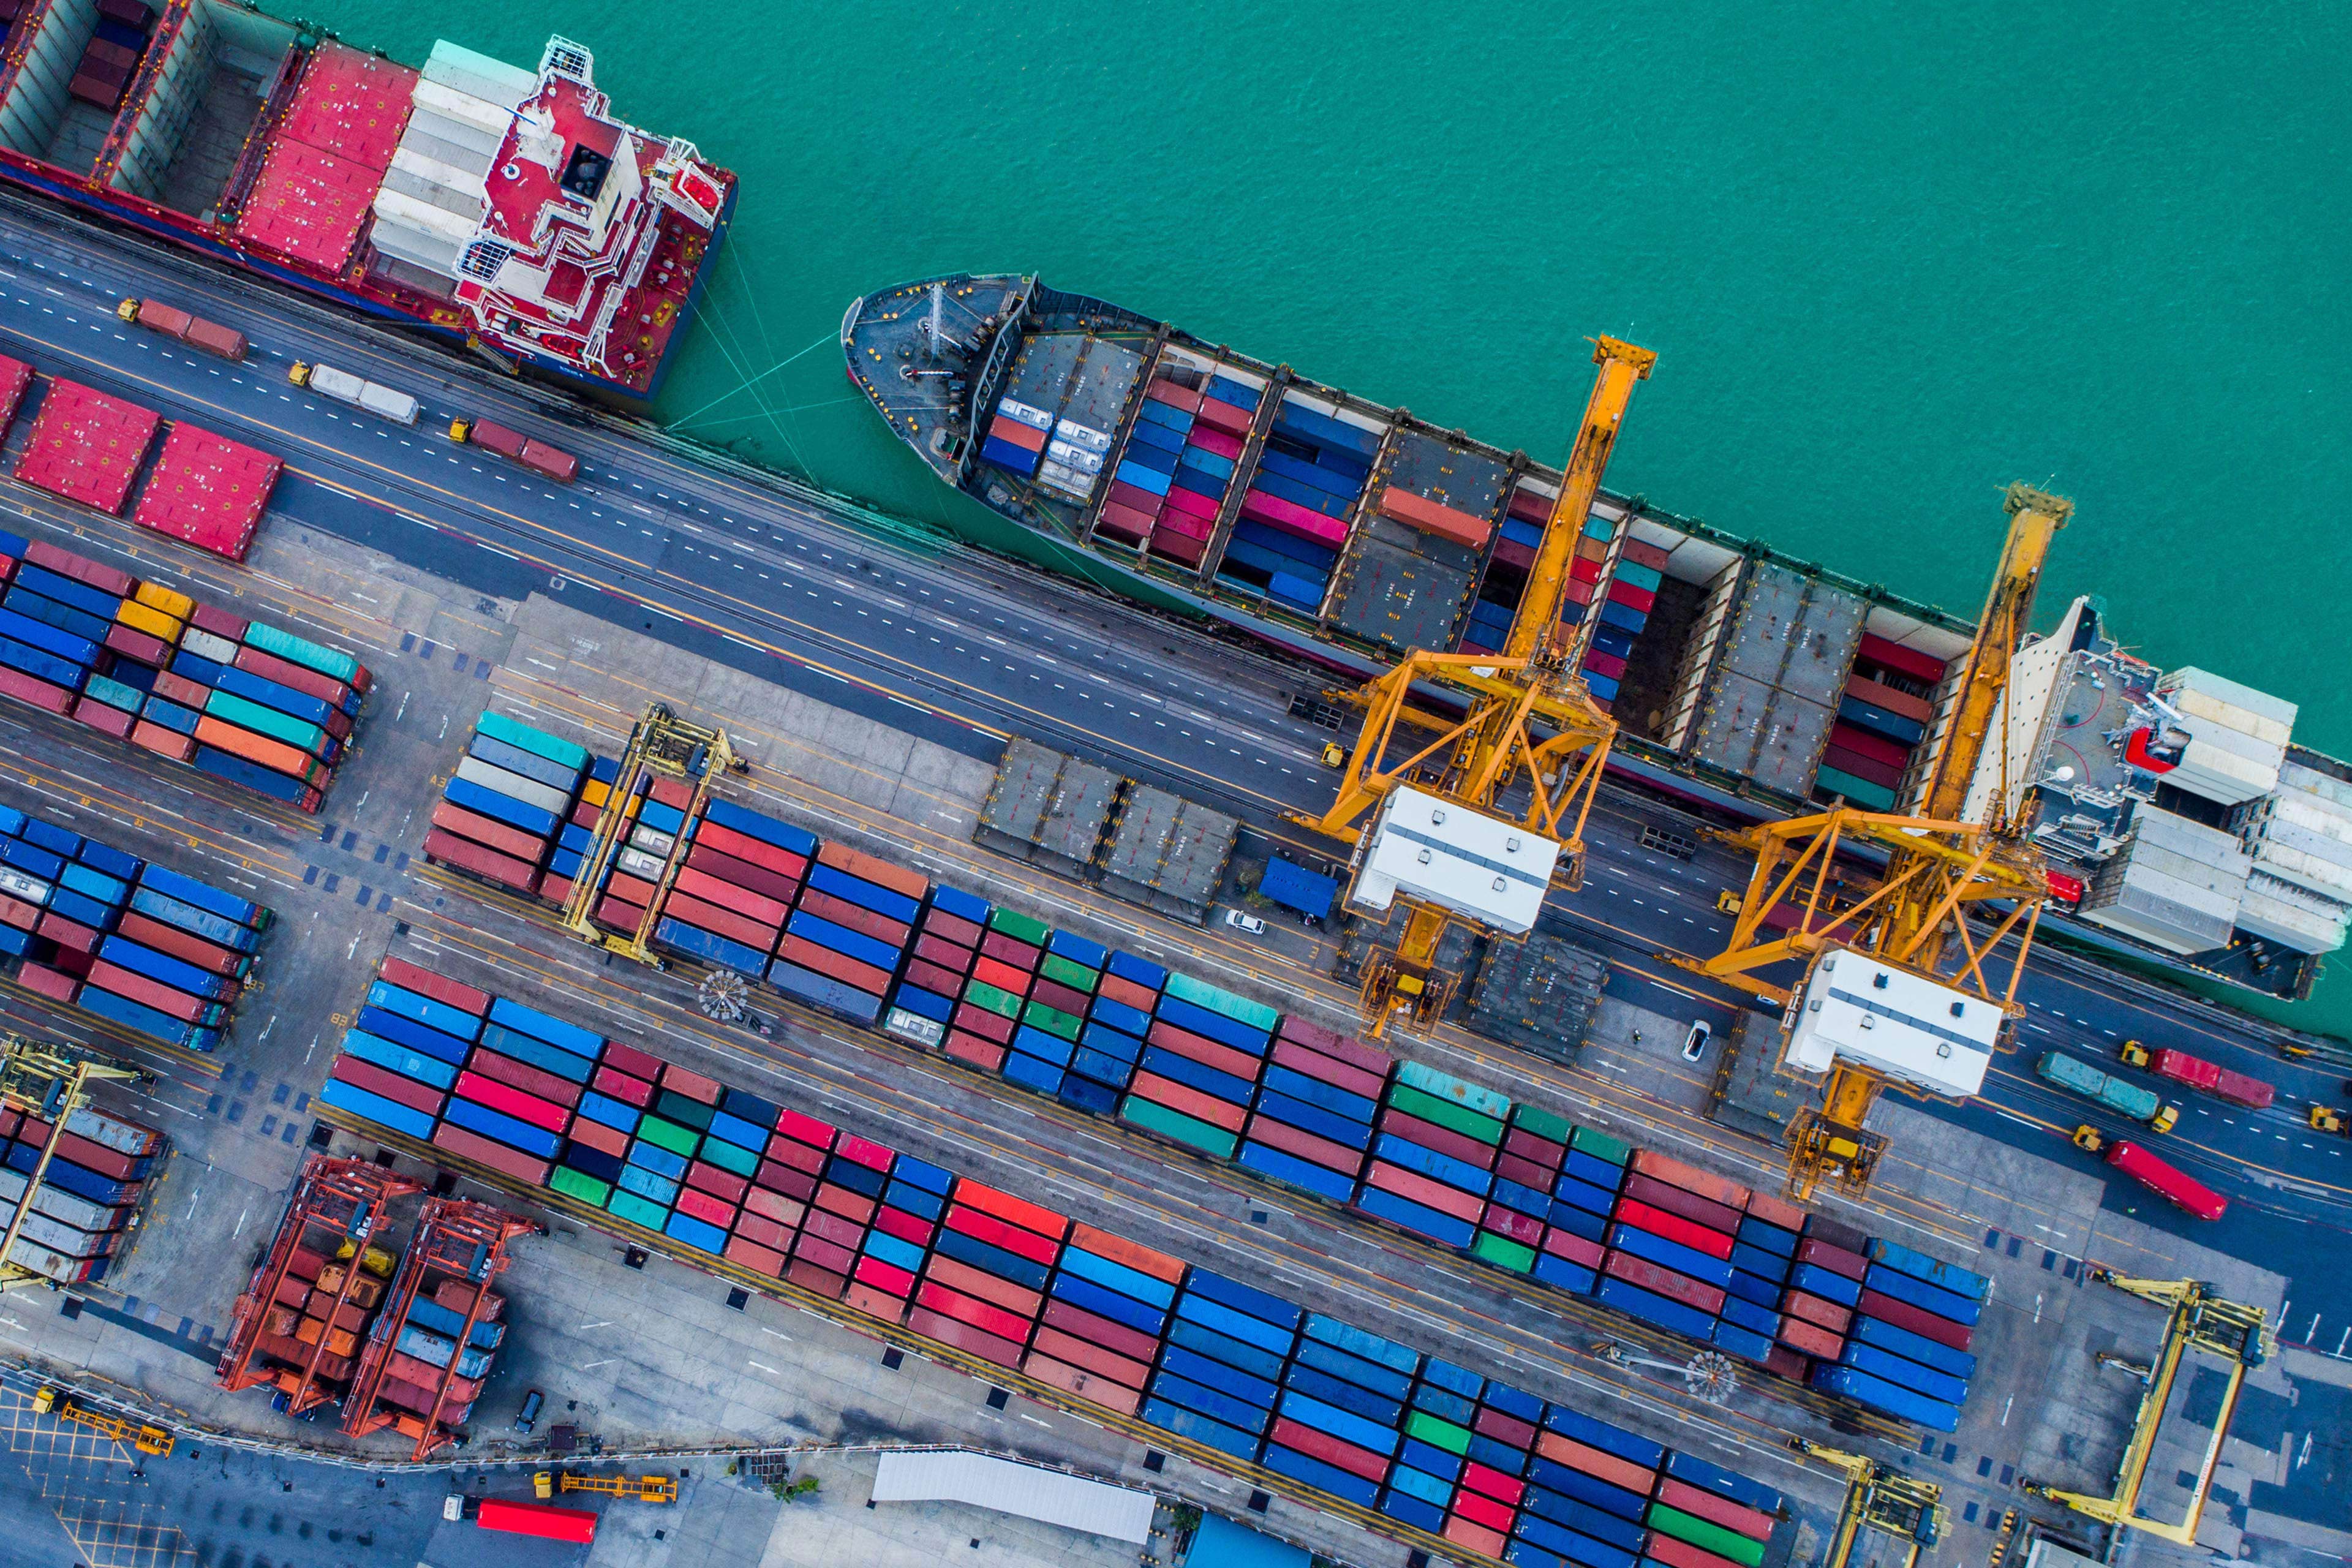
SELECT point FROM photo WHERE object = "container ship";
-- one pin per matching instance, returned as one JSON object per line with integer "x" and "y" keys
{"x": 497, "y": 208}
{"x": 2182, "y": 821}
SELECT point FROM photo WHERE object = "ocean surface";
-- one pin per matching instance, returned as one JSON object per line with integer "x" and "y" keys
{"x": 1891, "y": 257}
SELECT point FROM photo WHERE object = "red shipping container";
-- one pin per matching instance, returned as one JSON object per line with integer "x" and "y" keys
{"x": 482, "y": 830}
{"x": 946, "y": 954}
{"x": 106, "y": 721}
{"x": 782, "y": 889}
{"x": 1127, "y": 992}
{"x": 487, "y": 1152}
{"x": 1484, "y": 1512}
{"x": 1775, "y": 1210}
{"x": 106, "y": 579}
{"x": 1315, "y": 1150}
{"x": 815, "y": 1277}
{"x": 1675, "y": 1200}
{"x": 1162, "y": 390}
{"x": 912, "y": 1228}
{"x": 1005, "y": 950}
{"x": 1078, "y": 1352}
{"x": 755, "y": 1257}
{"x": 1222, "y": 415}
{"x": 531, "y": 1080}
{"x": 1476, "y": 1536}
{"x": 1526, "y": 1172}
{"x": 1327, "y": 1069}
{"x": 1900, "y": 704}
{"x": 1133, "y": 1255}
{"x": 839, "y": 1214}
{"x": 1525, "y": 1229}
{"x": 1921, "y": 666}
{"x": 966, "y": 1309}
{"x": 136, "y": 646}
{"x": 1814, "y": 1309}
{"x": 1753, "y": 1524}
{"x": 1510, "y": 1430}
{"x": 1629, "y": 597}
{"x": 1592, "y": 1462}
{"x": 41, "y": 980}
{"x": 81, "y": 939}
{"x": 1877, "y": 748}
{"x": 711, "y": 918}
{"x": 1133, "y": 1343}
{"x": 829, "y": 1256}
{"x": 1419, "y": 1189}
{"x": 719, "y": 1183}
{"x": 1018, "y": 1239}
{"x": 18, "y": 913}
{"x": 984, "y": 1287}
{"x": 962, "y": 1336}
{"x": 1541, "y": 1151}
{"x": 1055, "y": 994}
{"x": 1322, "y": 1445}
{"x": 1673, "y": 1228}
{"x": 788, "y": 1151}
{"x": 881, "y": 873}
{"x": 162, "y": 741}
{"x": 1799, "y": 1334}
{"x": 1885, "y": 775}
{"x": 1648, "y": 1276}
{"x": 1904, "y": 1315}
{"x": 1445, "y": 1140}
{"x": 621, "y": 1086}
{"x": 796, "y": 1184}
{"x": 864, "y": 921}
{"x": 1190, "y": 1102}
{"x": 932, "y": 978}
{"x": 1207, "y": 1052}
{"x": 833, "y": 966}
{"x": 467, "y": 856}
{"x": 953, "y": 928}
{"x": 981, "y": 1021}
{"x": 971, "y": 1048}
{"x": 1575, "y": 1249}
{"x": 1836, "y": 1259}
{"x": 711, "y": 890}
{"x": 512, "y": 1101}
{"x": 1689, "y": 1178}
{"x": 1002, "y": 975}
{"x": 704, "y": 1207}
{"x": 1683, "y": 1554}
{"x": 39, "y": 693}
{"x": 865, "y": 1151}
{"x": 596, "y": 1135}
{"x": 400, "y": 1091}
{"x": 763, "y": 1226}
{"x": 1125, "y": 521}
{"x": 743, "y": 847}
{"x": 1087, "y": 1385}
{"x": 803, "y": 1130}
{"x": 884, "y": 1276}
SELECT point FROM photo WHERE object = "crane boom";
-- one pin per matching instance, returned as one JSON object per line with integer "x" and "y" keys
{"x": 2035, "y": 519}
{"x": 1536, "y": 621}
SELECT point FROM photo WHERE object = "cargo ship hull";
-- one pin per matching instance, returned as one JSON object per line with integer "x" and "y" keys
{"x": 1345, "y": 532}
{"x": 484, "y": 206}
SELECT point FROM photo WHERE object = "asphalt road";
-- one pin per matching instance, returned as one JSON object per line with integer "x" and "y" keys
{"x": 964, "y": 649}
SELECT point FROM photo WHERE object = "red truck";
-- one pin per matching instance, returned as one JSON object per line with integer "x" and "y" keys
{"x": 546, "y": 461}
{"x": 192, "y": 331}
{"x": 2200, "y": 1074}
{"x": 2165, "y": 1181}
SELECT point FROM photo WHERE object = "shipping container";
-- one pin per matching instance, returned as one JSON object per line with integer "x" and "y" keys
{"x": 2237, "y": 1088}
{"x": 2167, "y": 1183}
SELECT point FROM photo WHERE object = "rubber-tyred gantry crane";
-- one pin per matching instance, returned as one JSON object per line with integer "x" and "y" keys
{"x": 1528, "y": 723}
{"x": 48, "y": 1080}
{"x": 1912, "y": 917}
{"x": 663, "y": 745}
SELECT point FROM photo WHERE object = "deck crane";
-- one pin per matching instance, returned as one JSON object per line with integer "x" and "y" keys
{"x": 1922, "y": 1001}
{"x": 1895, "y": 1504}
{"x": 2199, "y": 1319}
{"x": 662, "y": 745}
{"x": 48, "y": 1080}
{"x": 1435, "y": 811}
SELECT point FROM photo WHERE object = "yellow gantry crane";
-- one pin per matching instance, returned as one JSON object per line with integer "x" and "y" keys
{"x": 1528, "y": 723}
{"x": 1914, "y": 915}
{"x": 662, "y": 745}
{"x": 51, "y": 1081}
{"x": 1909, "y": 1510}
{"x": 2199, "y": 1319}
{"x": 140, "y": 1437}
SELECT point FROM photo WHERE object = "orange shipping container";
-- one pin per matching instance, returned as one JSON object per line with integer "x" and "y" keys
{"x": 1434, "y": 516}
{"x": 1118, "y": 1249}
{"x": 1675, "y": 1173}
{"x": 275, "y": 755}
{"x": 881, "y": 873}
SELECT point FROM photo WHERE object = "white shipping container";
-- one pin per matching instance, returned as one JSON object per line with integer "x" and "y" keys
{"x": 2205, "y": 683}
{"x": 1020, "y": 412}
{"x": 651, "y": 841}
{"x": 1076, "y": 458}
{"x": 340, "y": 385}
{"x": 514, "y": 786}
{"x": 914, "y": 1026}
{"x": 122, "y": 1137}
{"x": 2311, "y": 814}
{"x": 2202, "y": 705}
{"x": 2334, "y": 791}
{"x": 47, "y": 1263}
{"x": 386, "y": 403}
{"x": 204, "y": 644}
{"x": 1079, "y": 435}
{"x": 18, "y": 885}
{"x": 2321, "y": 877}
{"x": 2275, "y": 918}
{"x": 637, "y": 863}
{"x": 42, "y": 1231}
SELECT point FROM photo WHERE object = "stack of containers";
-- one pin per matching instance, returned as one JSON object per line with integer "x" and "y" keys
{"x": 1882, "y": 715}
{"x": 1213, "y": 444}
{"x": 843, "y": 945}
{"x": 882, "y": 1280}
{"x": 1308, "y": 477}
{"x": 425, "y": 1345}
{"x": 1054, "y": 1014}
{"x": 492, "y": 1117}
{"x": 504, "y": 807}
{"x": 572, "y": 842}
{"x": 1516, "y": 540}
{"x": 1155, "y": 446}
{"x": 721, "y": 907}
{"x": 985, "y": 1285}
{"x": 143, "y": 947}
{"x": 1670, "y": 1240}
{"x": 1313, "y": 1120}
{"x": 1105, "y": 1310}
{"x": 1588, "y": 1486}
{"x": 246, "y": 703}
{"x": 994, "y": 997}
{"x": 1583, "y": 1198}
{"x": 1486, "y": 1508}
{"x": 1116, "y": 1024}
{"x": 80, "y": 1213}
{"x": 1907, "y": 1352}
{"x": 613, "y": 1102}
{"x": 839, "y": 1214}
{"x": 1623, "y": 612}
{"x": 1434, "y": 1159}
{"x": 946, "y": 942}
{"x": 1436, "y": 1443}
{"x": 655, "y": 810}
{"x": 1073, "y": 458}
{"x": 415, "y": 1030}
{"x": 1199, "y": 1067}
{"x": 718, "y": 1170}
{"x": 1511, "y": 1231}
{"x": 1762, "y": 1258}
{"x": 1340, "y": 1419}
{"x": 1016, "y": 438}
{"x": 781, "y": 1193}
{"x": 1824, "y": 1282}
{"x": 1706, "y": 1517}
{"x": 1221, "y": 1370}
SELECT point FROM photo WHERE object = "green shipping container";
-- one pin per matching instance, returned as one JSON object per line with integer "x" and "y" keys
{"x": 1053, "y": 1020}
{"x": 304, "y": 652}
{"x": 1503, "y": 1252}
{"x": 231, "y": 709}
{"x": 1857, "y": 792}
{"x": 1020, "y": 927}
{"x": 538, "y": 742}
{"x": 1436, "y": 1433}
{"x": 637, "y": 1210}
{"x": 114, "y": 694}
{"x": 669, "y": 1135}
{"x": 1542, "y": 1123}
{"x": 1706, "y": 1535}
{"x": 1176, "y": 1125}
{"x": 1600, "y": 1145}
{"x": 728, "y": 1157}
{"x": 1240, "y": 1009}
{"x": 1076, "y": 976}
{"x": 685, "y": 1112}
{"x": 1444, "y": 1113}
{"x": 1004, "y": 1004}
{"x": 1429, "y": 1080}
{"x": 578, "y": 1184}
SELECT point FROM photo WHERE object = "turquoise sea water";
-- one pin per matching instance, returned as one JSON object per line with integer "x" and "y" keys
{"x": 1890, "y": 257}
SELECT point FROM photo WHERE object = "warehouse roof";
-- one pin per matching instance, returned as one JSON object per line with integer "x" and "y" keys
{"x": 1028, "y": 1491}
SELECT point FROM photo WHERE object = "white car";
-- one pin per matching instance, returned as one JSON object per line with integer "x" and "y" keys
{"x": 1249, "y": 923}
{"x": 1694, "y": 1042}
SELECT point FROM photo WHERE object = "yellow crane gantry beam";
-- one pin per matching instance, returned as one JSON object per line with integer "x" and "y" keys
{"x": 1903, "y": 1506}
{"x": 662, "y": 745}
{"x": 1914, "y": 914}
{"x": 50, "y": 1080}
{"x": 1527, "y": 720}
